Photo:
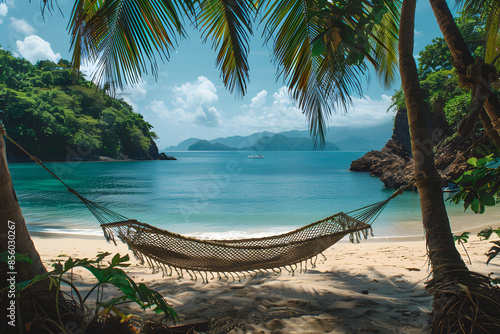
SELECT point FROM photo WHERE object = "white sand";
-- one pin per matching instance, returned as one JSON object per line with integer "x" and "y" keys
{"x": 372, "y": 287}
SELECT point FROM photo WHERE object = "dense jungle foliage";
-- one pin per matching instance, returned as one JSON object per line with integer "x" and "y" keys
{"x": 57, "y": 115}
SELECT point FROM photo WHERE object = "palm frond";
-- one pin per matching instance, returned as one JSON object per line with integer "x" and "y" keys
{"x": 490, "y": 9}
{"x": 292, "y": 27}
{"x": 492, "y": 32}
{"x": 385, "y": 43}
{"x": 228, "y": 23}
{"x": 320, "y": 49}
{"x": 123, "y": 37}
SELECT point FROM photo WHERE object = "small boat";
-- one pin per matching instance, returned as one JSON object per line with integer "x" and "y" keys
{"x": 256, "y": 156}
{"x": 451, "y": 188}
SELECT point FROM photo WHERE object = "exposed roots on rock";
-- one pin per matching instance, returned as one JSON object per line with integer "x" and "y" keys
{"x": 465, "y": 302}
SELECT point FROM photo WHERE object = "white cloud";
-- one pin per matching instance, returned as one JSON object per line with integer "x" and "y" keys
{"x": 280, "y": 116}
{"x": 134, "y": 94}
{"x": 365, "y": 112}
{"x": 201, "y": 92}
{"x": 21, "y": 26}
{"x": 34, "y": 48}
{"x": 283, "y": 115}
{"x": 193, "y": 103}
{"x": 259, "y": 100}
{"x": 418, "y": 33}
{"x": 3, "y": 10}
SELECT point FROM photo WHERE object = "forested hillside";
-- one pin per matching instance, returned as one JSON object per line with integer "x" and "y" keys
{"x": 56, "y": 115}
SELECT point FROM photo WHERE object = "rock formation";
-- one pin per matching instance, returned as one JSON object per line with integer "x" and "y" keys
{"x": 394, "y": 163}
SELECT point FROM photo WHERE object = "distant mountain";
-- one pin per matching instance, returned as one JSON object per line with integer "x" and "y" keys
{"x": 345, "y": 138}
{"x": 205, "y": 145}
{"x": 240, "y": 142}
{"x": 183, "y": 145}
{"x": 350, "y": 139}
{"x": 266, "y": 143}
{"x": 283, "y": 143}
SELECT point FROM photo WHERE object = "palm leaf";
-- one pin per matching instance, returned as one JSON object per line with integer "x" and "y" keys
{"x": 491, "y": 10}
{"x": 229, "y": 25}
{"x": 292, "y": 27}
{"x": 321, "y": 58}
{"x": 385, "y": 43}
{"x": 122, "y": 37}
{"x": 492, "y": 34}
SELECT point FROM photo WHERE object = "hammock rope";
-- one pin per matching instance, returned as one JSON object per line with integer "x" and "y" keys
{"x": 168, "y": 251}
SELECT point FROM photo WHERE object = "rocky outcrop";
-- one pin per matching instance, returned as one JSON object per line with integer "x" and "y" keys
{"x": 153, "y": 151}
{"x": 394, "y": 163}
{"x": 163, "y": 156}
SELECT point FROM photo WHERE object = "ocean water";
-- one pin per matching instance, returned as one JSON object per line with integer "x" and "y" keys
{"x": 220, "y": 194}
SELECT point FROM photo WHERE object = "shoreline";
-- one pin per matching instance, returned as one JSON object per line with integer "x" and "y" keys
{"x": 370, "y": 239}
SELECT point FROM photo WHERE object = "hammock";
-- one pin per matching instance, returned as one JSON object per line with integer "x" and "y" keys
{"x": 167, "y": 251}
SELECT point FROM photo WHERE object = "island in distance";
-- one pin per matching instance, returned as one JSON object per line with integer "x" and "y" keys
{"x": 338, "y": 138}
{"x": 266, "y": 143}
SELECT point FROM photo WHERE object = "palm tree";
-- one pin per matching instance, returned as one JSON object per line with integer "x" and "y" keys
{"x": 463, "y": 301}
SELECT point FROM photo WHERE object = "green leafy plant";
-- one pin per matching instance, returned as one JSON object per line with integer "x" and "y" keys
{"x": 479, "y": 187}
{"x": 105, "y": 274}
{"x": 494, "y": 250}
{"x": 462, "y": 240}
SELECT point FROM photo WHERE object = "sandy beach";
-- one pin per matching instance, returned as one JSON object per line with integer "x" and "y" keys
{"x": 376, "y": 286}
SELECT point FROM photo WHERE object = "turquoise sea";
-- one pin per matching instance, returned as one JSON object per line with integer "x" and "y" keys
{"x": 219, "y": 194}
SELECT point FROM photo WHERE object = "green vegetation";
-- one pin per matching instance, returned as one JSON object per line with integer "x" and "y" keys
{"x": 483, "y": 235}
{"x": 104, "y": 314}
{"x": 479, "y": 186}
{"x": 57, "y": 115}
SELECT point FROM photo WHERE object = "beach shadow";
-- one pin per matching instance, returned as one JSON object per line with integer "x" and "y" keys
{"x": 315, "y": 302}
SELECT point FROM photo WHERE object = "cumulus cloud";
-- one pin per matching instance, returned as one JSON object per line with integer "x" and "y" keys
{"x": 259, "y": 100}
{"x": 418, "y": 33}
{"x": 194, "y": 102}
{"x": 282, "y": 114}
{"x": 3, "y": 9}
{"x": 134, "y": 94}
{"x": 21, "y": 26}
{"x": 365, "y": 112}
{"x": 34, "y": 48}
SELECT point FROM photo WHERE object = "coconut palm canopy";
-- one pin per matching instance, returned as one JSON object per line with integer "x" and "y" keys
{"x": 320, "y": 48}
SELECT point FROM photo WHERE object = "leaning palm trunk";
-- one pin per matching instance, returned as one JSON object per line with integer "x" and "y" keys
{"x": 456, "y": 290}
{"x": 37, "y": 301}
{"x": 478, "y": 77}
{"x": 442, "y": 252}
{"x": 12, "y": 223}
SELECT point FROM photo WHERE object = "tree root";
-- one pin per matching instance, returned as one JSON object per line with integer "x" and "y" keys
{"x": 465, "y": 302}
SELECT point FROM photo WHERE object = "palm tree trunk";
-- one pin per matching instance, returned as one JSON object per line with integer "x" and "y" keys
{"x": 443, "y": 255}
{"x": 462, "y": 59}
{"x": 14, "y": 236}
{"x": 12, "y": 217}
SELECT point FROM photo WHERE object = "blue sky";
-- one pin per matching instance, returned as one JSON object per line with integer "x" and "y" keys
{"x": 189, "y": 99}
